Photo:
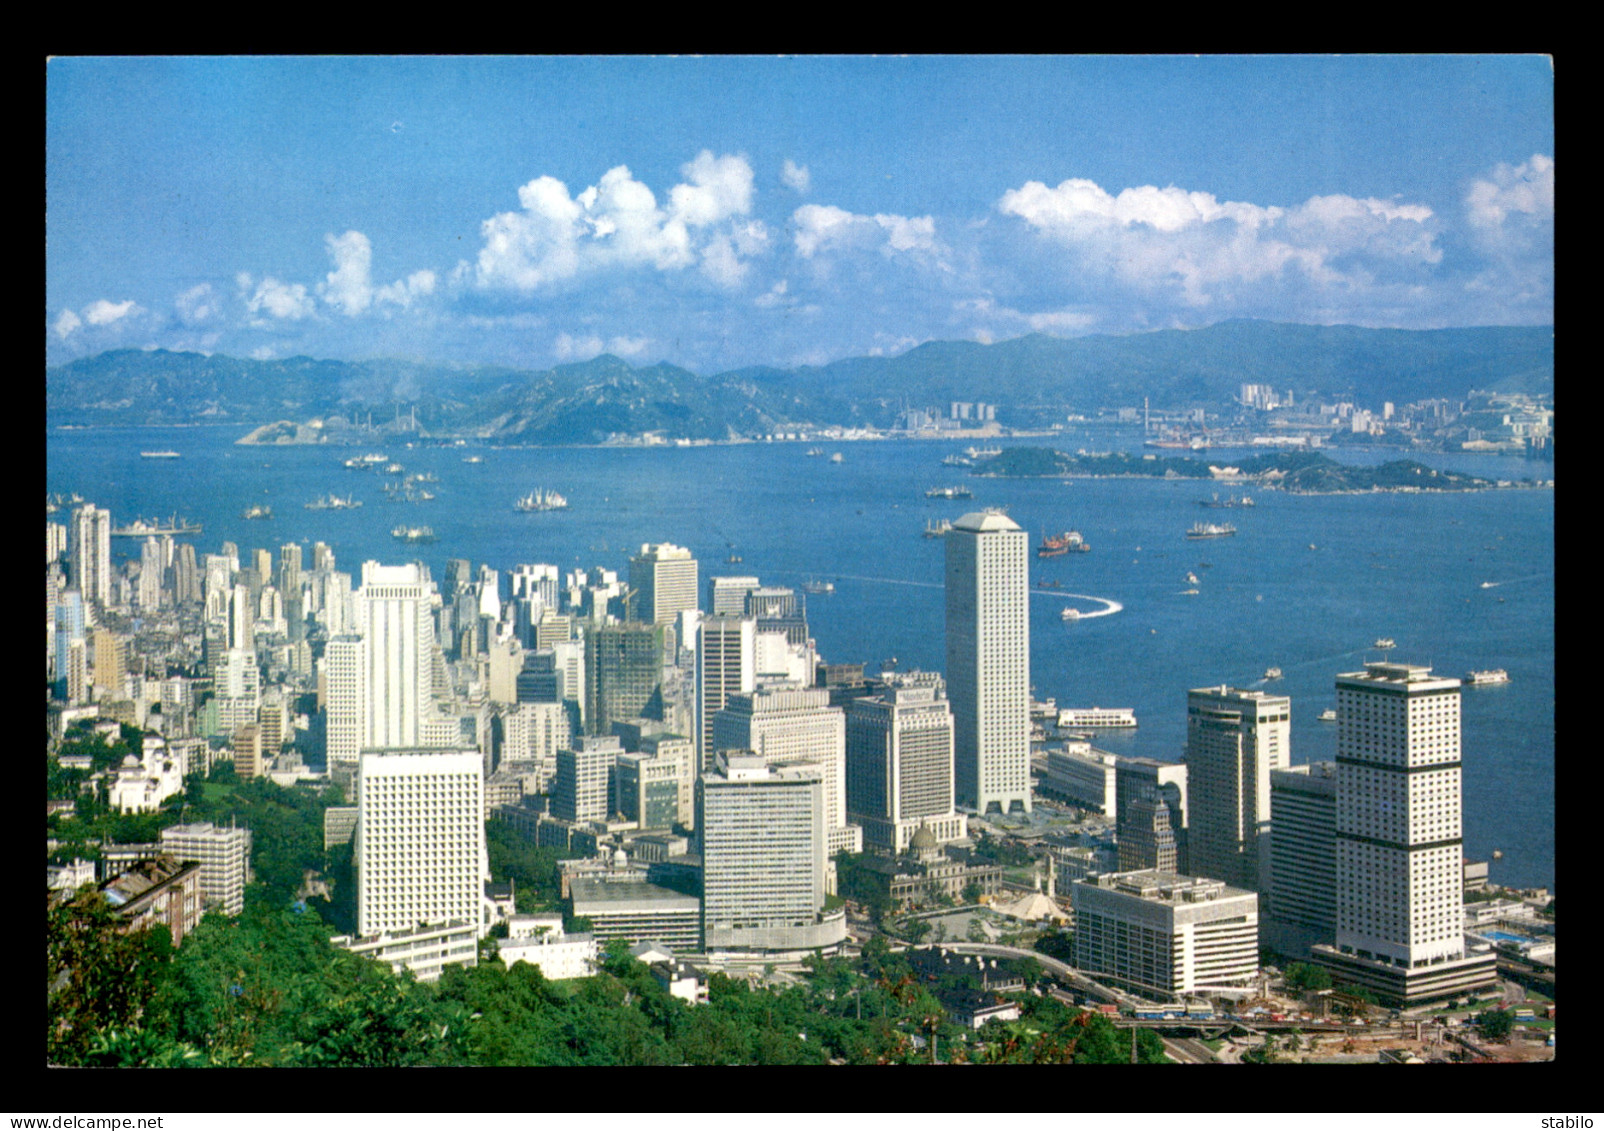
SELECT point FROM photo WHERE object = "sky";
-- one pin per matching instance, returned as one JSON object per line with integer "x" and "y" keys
{"x": 721, "y": 212}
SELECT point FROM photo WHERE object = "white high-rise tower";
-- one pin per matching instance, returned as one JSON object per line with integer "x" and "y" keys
{"x": 91, "y": 553}
{"x": 1400, "y": 864}
{"x": 988, "y": 660}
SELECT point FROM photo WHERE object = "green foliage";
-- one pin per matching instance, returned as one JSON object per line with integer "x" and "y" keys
{"x": 1495, "y": 1024}
{"x": 1302, "y": 976}
{"x": 99, "y": 978}
{"x": 532, "y": 870}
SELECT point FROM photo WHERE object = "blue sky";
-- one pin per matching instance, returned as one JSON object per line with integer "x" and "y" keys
{"x": 720, "y": 212}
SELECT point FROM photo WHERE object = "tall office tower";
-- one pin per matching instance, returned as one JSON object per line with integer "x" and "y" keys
{"x": 419, "y": 846}
{"x": 663, "y": 576}
{"x": 1150, "y": 805}
{"x": 218, "y": 588}
{"x": 342, "y": 696}
{"x": 186, "y": 575}
{"x": 395, "y": 619}
{"x": 795, "y": 728}
{"x": 762, "y": 837}
{"x": 726, "y": 596}
{"x": 779, "y": 663}
{"x": 647, "y": 787}
{"x": 111, "y": 661}
{"x": 288, "y": 579}
{"x": 781, "y": 610}
{"x": 624, "y": 673}
{"x": 238, "y": 689}
{"x": 273, "y": 720}
{"x": 489, "y": 593}
{"x": 322, "y": 558}
{"x": 91, "y": 553}
{"x": 231, "y": 552}
{"x": 70, "y": 627}
{"x": 247, "y": 750}
{"x": 241, "y": 618}
{"x": 681, "y": 751}
{"x": 506, "y": 664}
{"x": 537, "y": 584}
{"x": 726, "y": 655}
{"x": 1234, "y": 739}
{"x": 459, "y": 575}
{"x": 899, "y": 763}
{"x": 1302, "y": 905}
{"x": 270, "y": 612}
{"x": 77, "y": 670}
{"x": 262, "y": 565}
{"x": 334, "y": 603}
{"x": 583, "y": 787}
{"x": 224, "y": 855}
{"x": 150, "y": 576}
{"x": 55, "y": 541}
{"x": 1400, "y": 864}
{"x": 988, "y": 660}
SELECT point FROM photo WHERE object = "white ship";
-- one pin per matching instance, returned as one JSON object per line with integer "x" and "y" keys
{"x": 1329, "y": 715}
{"x": 539, "y": 500}
{"x": 1106, "y": 718}
{"x": 1385, "y": 643}
{"x": 1487, "y": 678}
{"x": 1272, "y": 673}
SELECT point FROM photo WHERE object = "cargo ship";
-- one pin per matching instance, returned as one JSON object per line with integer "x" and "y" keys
{"x": 404, "y": 533}
{"x": 539, "y": 500}
{"x": 939, "y": 530}
{"x": 1211, "y": 530}
{"x": 139, "y": 528}
{"x": 1069, "y": 542}
{"x": 818, "y": 587}
{"x": 158, "y": 455}
{"x": 949, "y": 493}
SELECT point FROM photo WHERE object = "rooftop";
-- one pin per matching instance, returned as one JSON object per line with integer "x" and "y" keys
{"x": 985, "y": 522}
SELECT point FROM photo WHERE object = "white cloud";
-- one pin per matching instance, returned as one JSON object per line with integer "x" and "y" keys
{"x": 196, "y": 305}
{"x": 628, "y": 347}
{"x": 66, "y": 324}
{"x": 1527, "y": 188}
{"x": 263, "y": 353}
{"x": 617, "y": 224}
{"x": 824, "y": 227}
{"x": 104, "y": 313}
{"x": 281, "y": 300}
{"x": 774, "y": 296}
{"x": 796, "y": 177}
{"x": 350, "y": 285}
{"x": 569, "y": 348}
{"x": 403, "y": 292}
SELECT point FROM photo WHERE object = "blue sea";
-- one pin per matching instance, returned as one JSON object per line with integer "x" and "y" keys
{"x": 1308, "y": 584}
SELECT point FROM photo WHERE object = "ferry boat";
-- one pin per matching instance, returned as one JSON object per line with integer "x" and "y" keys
{"x": 812, "y": 586}
{"x": 158, "y": 455}
{"x": 836, "y": 458}
{"x": 257, "y": 512}
{"x": 1329, "y": 715}
{"x": 1210, "y": 530}
{"x": 1070, "y": 615}
{"x": 1069, "y": 542}
{"x": 139, "y": 528}
{"x": 539, "y": 500}
{"x": 949, "y": 493}
{"x": 333, "y": 503}
{"x": 1487, "y": 678}
{"x": 939, "y": 530}
{"x": 1272, "y": 673}
{"x": 1102, "y": 718}
{"x": 1385, "y": 643}
{"x": 405, "y": 533}
{"x": 1231, "y": 502}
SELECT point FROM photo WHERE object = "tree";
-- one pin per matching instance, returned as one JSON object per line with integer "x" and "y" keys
{"x": 1302, "y": 976}
{"x": 972, "y": 892}
{"x": 99, "y": 977}
{"x": 1495, "y": 1024}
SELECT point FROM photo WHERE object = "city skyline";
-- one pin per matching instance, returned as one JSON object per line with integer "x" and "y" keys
{"x": 731, "y": 211}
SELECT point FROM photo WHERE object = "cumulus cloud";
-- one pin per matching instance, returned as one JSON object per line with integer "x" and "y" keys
{"x": 1205, "y": 251}
{"x": 196, "y": 305}
{"x": 567, "y": 347}
{"x": 403, "y": 292}
{"x": 66, "y": 324}
{"x": 281, "y": 300}
{"x": 349, "y": 287}
{"x": 104, "y": 313}
{"x": 617, "y": 223}
{"x": 1526, "y": 189}
{"x": 796, "y": 177}
{"x": 824, "y": 227}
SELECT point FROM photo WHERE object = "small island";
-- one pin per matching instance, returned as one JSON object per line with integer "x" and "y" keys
{"x": 1303, "y": 473}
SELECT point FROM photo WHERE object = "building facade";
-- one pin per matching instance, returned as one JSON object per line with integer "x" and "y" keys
{"x": 726, "y": 659}
{"x": 1302, "y": 905}
{"x": 988, "y": 660}
{"x": 224, "y": 855}
{"x": 1234, "y": 739}
{"x": 663, "y": 577}
{"x": 899, "y": 757}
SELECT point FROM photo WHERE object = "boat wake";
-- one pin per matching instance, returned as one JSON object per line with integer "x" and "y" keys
{"x": 1110, "y": 607}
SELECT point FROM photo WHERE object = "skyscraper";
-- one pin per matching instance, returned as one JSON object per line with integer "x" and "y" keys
{"x": 663, "y": 577}
{"x": 762, "y": 838}
{"x": 727, "y": 595}
{"x": 1302, "y": 906}
{"x": 1234, "y": 739}
{"x": 988, "y": 660}
{"x": 583, "y": 787}
{"x": 419, "y": 844}
{"x": 899, "y": 763}
{"x": 726, "y": 656}
{"x": 1399, "y": 848}
{"x": 394, "y": 618}
{"x": 624, "y": 679}
{"x": 1150, "y": 809}
{"x": 91, "y": 553}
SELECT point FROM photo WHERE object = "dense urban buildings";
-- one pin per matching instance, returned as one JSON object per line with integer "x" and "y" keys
{"x": 988, "y": 660}
{"x": 663, "y": 577}
{"x": 899, "y": 762}
{"x": 1399, "y": 848}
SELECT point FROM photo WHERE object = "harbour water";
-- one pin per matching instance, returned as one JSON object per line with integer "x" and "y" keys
{"x": 1308, "y": 583}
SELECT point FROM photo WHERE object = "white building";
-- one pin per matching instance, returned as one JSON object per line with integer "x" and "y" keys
{"x": 224, "y": 855}
{"x": 726, "y": 656}
{"x": 762, "y": 837}
{"x": 91, "y": 553}
{"x": 1083, "y": 776}
{"x": 1163, "y": 935}
{"x": 424, "y": 950}
{"x": 795, "y": 727}
{"x": 664, "y": 579}
{"x": 900, "y": 763}
{"x": 539, "y": 940}
{"x": 1399, "y": 845}
{"x": 419, "y": 844}
{"x": 1234, "y": 739}
{"x": 583, "y": 787}
{"x": 727, "y": 595}
{"x": 988, "y": 660}
{"x": 143, "y": 783}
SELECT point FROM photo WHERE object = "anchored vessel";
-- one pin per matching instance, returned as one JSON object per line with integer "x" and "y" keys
{"x": 1227, "y": 503}
{"x": 139, "y": 528}
{"x": 818, "y": 586}
{"x": 539, "y": 500}
{"x": 949, "y": 493}
{"x": 1483, "y": 678}
{"x": 1104, "y": 718}
{"x": 405, "y": 533}
{"x": 159, "y": 455}
{"x": 1211, "y": 530}
{"x": 333, "y": 503}
{"x": 257, "y": 512}
{"x": 1069, "y": 542}
{"x": 939, "y": 530}
{"x": 1272, "y": 673}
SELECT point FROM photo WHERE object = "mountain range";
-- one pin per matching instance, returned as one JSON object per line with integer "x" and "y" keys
{"x": 1032, "y": 380}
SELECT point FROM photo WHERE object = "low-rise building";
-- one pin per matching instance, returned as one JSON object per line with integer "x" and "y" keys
{"x": 636, "y": 911}
{"x": 424, "y": 950}
{"x": 224, "y": 855}
{"x": 540, "y": 941}
{"x": 143, "y": 783}
{"x": 157, "y": 893}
